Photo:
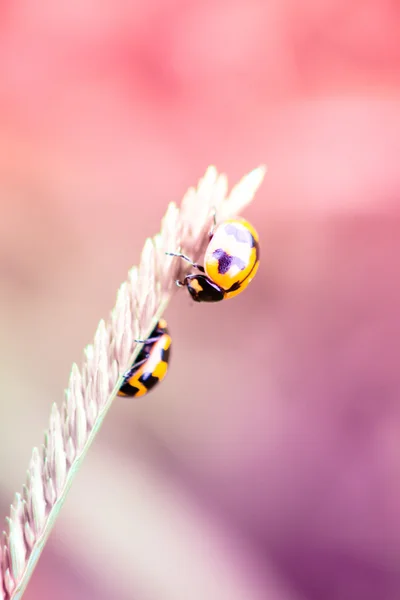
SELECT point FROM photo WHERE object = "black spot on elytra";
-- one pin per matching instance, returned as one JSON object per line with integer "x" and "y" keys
{"x": 165, "y": 354}
{"x": 241, "y": 235}
{"x": 129, "y": 390}
{"x": 148, "y": 380}
{"x": 226, "y": 261}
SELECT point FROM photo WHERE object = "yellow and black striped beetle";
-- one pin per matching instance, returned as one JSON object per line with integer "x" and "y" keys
{"x": 151, "y": 365}
{"x": 231, "y": 261}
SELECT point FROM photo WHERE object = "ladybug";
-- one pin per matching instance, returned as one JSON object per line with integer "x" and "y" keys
{"x": 151, "y": 365}
{"x": 231, "y": 261}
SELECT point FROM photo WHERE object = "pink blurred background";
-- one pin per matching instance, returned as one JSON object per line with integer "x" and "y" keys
{"x": 267, "y": 464}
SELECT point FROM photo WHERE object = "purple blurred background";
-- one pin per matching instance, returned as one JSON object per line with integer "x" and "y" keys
{"x": 267, "y": 465}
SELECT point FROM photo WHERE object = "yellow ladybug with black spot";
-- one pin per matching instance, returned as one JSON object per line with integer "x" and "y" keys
{"x": 151, "y": 365}
{"x": 231, "y": 261}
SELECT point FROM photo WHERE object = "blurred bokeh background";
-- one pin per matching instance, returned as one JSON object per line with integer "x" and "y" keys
{"x": 267, "y": 464}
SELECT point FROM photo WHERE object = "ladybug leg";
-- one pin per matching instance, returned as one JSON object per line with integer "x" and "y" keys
{"x": 148, "y": 341}
{"x": 179, "y": 255}
{"x": 135, "y": 365}
{"x": 214, "y": 216}
{"x": 181, "y": 283}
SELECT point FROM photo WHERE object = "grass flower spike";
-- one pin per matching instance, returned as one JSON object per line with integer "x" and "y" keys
{"x": 141, "y": 301}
